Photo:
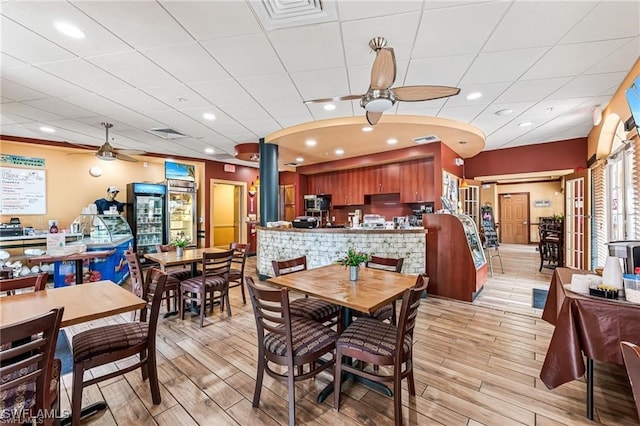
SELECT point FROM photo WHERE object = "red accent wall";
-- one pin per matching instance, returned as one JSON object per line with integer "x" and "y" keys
{"x": 569, "y": 154}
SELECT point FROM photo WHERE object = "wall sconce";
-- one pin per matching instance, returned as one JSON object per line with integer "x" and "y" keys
{"x": 253, "y": 190}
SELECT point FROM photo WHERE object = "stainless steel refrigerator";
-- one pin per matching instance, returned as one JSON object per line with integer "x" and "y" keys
{"x": 146, "y": 214}
{"x": 182, "y": 209}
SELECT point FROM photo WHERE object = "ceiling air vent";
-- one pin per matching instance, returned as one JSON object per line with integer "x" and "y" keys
{"x": 167, "y": 133}
{"x": 274, "y": 14}
{"x": 291, "y": 164}
{"x": 426, "y": 139}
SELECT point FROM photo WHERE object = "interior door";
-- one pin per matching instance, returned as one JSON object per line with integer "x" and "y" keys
{"x": 224, "y": 215}
{"x": 577, "y": 224}
{"x": 514, "y": 218}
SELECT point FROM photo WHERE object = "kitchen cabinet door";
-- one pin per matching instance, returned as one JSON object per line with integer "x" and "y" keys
{"x": 383, "y": 179}
{"x": 321, "y": 184}
{"x": 416, "y": 181}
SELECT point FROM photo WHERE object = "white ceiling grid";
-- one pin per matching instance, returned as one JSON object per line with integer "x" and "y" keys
{"x": 146, "y": 64}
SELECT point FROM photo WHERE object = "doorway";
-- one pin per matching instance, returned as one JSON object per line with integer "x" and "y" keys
{"x": 228, "y": 205}
{"x": 514, "y": 218}
{"x": 577, "y": 224}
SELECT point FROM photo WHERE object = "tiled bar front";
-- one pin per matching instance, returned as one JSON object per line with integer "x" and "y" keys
{"x": 324, "y": 246}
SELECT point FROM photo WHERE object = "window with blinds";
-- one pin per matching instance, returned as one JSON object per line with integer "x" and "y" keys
{"x": 599, "y": 236}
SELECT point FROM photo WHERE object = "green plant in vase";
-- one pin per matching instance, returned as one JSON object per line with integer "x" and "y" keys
{"x": 353, "y": 259}
{"x": 180, "y": 242}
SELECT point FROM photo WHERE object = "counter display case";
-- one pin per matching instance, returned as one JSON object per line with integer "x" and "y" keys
{"x": 456, "y": 264}
{"x": 108, "y": 235}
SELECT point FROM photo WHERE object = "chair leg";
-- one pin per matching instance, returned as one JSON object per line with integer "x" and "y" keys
{"x": 259, "y": 377}
{"x": 76, "y": 395}
{"x": 291, "y": 384}
{"x": 181, "y": 305}
{"x": 226, "y": 297}
{"x": 152, "y": 369}
{"x": 203, "y": 303}
{"x": 410, "y": 382}
{"x": 397, "y": 398}
{"x": 244, "y": 298}
{"x": 337, "y": 380}
{"x": 144, "y": 368}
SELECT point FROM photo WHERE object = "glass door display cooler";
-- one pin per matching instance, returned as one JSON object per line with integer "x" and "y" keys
{"x": 146, "y": 207}
{"x": 181, "y": 210}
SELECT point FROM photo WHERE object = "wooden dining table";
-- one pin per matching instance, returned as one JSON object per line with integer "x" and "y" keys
{"x": 189, "y": 257}
{"x": 373, "y": 289}
{"x": 82, "y": 303}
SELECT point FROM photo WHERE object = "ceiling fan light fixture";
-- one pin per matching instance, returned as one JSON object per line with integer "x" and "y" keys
{"x": 106, "y": 155}
{"x": 378, "y": 105}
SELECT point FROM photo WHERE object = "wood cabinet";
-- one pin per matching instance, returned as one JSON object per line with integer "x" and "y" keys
{"x": 384, "y": 179}
{"x": 320, "y": 184}
{"x": 456, "y": 264}
{"x": 417, "y": 181}
{"x": 349, "y": 188}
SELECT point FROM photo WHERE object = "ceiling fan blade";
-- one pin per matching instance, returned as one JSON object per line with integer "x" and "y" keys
{"x": 125, "y": 157}
{"x": 423, "y": 93}
{"x": 383, "y": 71}
{"x": 373, "y": 117}
{"x": 129, "y": 151}
{"x": 334, "y": 99}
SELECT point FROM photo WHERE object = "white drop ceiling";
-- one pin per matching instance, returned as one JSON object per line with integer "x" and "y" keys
{"x": 162, "y": 64}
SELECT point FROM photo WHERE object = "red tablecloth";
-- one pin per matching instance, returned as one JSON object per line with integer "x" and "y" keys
{"x": 584, "y": 324}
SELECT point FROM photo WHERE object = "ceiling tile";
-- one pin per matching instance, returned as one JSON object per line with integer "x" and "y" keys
{"x": 246, "y": 112}
{"x": 444, "y": 71}
{"x": 351, "y": 10}
{"x": 158, "y": 28}
{"x": 18, "y": 92}
{"x": 180, "y": 96}
{"x": 465, "y": 113}
{"x": 189, "y": 63}
{"x": 489, "y": 122}
{"x": 7, "y": 61}
{"x": 532, "y": 90}
{"x": 136, "y": 100}
{"x": 398, "y": 30}
{"x": 271, "y": 88}
{"x": 490, "y": 91}
{"x": 7, "y": 120}
{"x": 608, "y": 20}
{"x": 495, "y": 67}
{"x": 27, "y": 111}
{"x": 65, "y": 108}
{"x": 473, "y": 25}
{"x": 85, "y": 75}
{"x": 571, "y": 59}
{"x": 530, "y": 24}
{"x": 206, "y": 20}
{"x": 619, "y": 60}
{"x": 589, "y": 85}
{"x": 27, "y": 46}
{"x": 262, "y": 60}
{"x": 41, "y": 81}
{"x": 135, "y": 69}
{"x": 321, "y": 83}
{"x": 299, "y": 47}
{"x": 40, "y": 18}
{"x": 343, "y": 109}
{"x": 222, "y": 92}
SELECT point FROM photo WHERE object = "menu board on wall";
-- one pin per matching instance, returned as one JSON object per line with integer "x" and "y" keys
{"x": 489, "y": 227}
{"x": 22, "y": 191}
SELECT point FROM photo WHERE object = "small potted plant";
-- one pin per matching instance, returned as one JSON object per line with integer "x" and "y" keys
{"x": 180, "y": 242}
{"x": 353, "y": 259}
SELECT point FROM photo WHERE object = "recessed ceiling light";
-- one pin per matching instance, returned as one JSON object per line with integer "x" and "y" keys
{"x": 474, "y": 95}
{"x": 47, "y": 129}
{"x": 392, "y": 141}
{"x": 69, "y": 30}
{"x": 209, "y": 116}
{"x": 506, "y": 111}
{"x": 339, "y": 151}
{"x": 525, "y": 124}
{"x": 209, "y": 150}
{"x": 310, "y": 142}
{"x": 299, "y": 159}
{"x": 367, "y": 129}
{"x": 329, "y": 107}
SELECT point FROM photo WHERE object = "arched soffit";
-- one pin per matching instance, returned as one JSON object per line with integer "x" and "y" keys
{"x": 607, "y": 135}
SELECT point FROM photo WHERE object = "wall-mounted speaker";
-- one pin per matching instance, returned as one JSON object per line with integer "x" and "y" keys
{"x": 629, "y": 124}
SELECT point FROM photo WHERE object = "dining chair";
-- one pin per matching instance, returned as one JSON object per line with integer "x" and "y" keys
{"x": 29, "y": 375}
{"x": 379, "y": 343}
{"x": 107, "y": 344}
{"x": 236, "y": 275}
{"x": 386, "y": 312}
{"x": 631, "y": 356}
{"x": 308, "y": 307}
{"x": 287, "y": 340}
{"x": 35, "y": 282}
{"x": 178, "y": 273}
{"x": 138, "y": 283}
{"x": 214, "y": 278}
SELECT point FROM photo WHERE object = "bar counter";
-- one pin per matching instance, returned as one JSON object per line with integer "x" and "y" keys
{"x": 323, "y": 246}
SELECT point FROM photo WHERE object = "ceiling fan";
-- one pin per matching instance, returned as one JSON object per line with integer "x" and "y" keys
{"x": 108, "y": 153}
{"x": 380, "y": 96}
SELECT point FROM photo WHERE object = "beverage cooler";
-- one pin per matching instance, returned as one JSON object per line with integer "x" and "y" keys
{"x": 181, "y": 209}
{"x": 146, "y": 209}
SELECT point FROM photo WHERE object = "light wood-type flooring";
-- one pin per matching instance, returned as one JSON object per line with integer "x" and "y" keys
{"x": 475, "y": 363}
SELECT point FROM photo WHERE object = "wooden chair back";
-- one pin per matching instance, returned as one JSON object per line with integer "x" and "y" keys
{"x": 36, "y": 282}
{"x": 409, "y": 312}
{"x": 240, "y": 253}
{"x": 216, "y": 264}
{"x": 135, "y": 271}
{"x": 386, "y": 263}
{"x": 271, "y": 311}
{"x": 283, "y": 267}
{"x": 165, "y": 248}
{"x": 631, "y": 355}
{"x": 155, "y": 279}
{"x": 26, "y": 357}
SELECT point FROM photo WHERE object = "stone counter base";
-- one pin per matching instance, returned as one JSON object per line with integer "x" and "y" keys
{"x": 324, "y": 248}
